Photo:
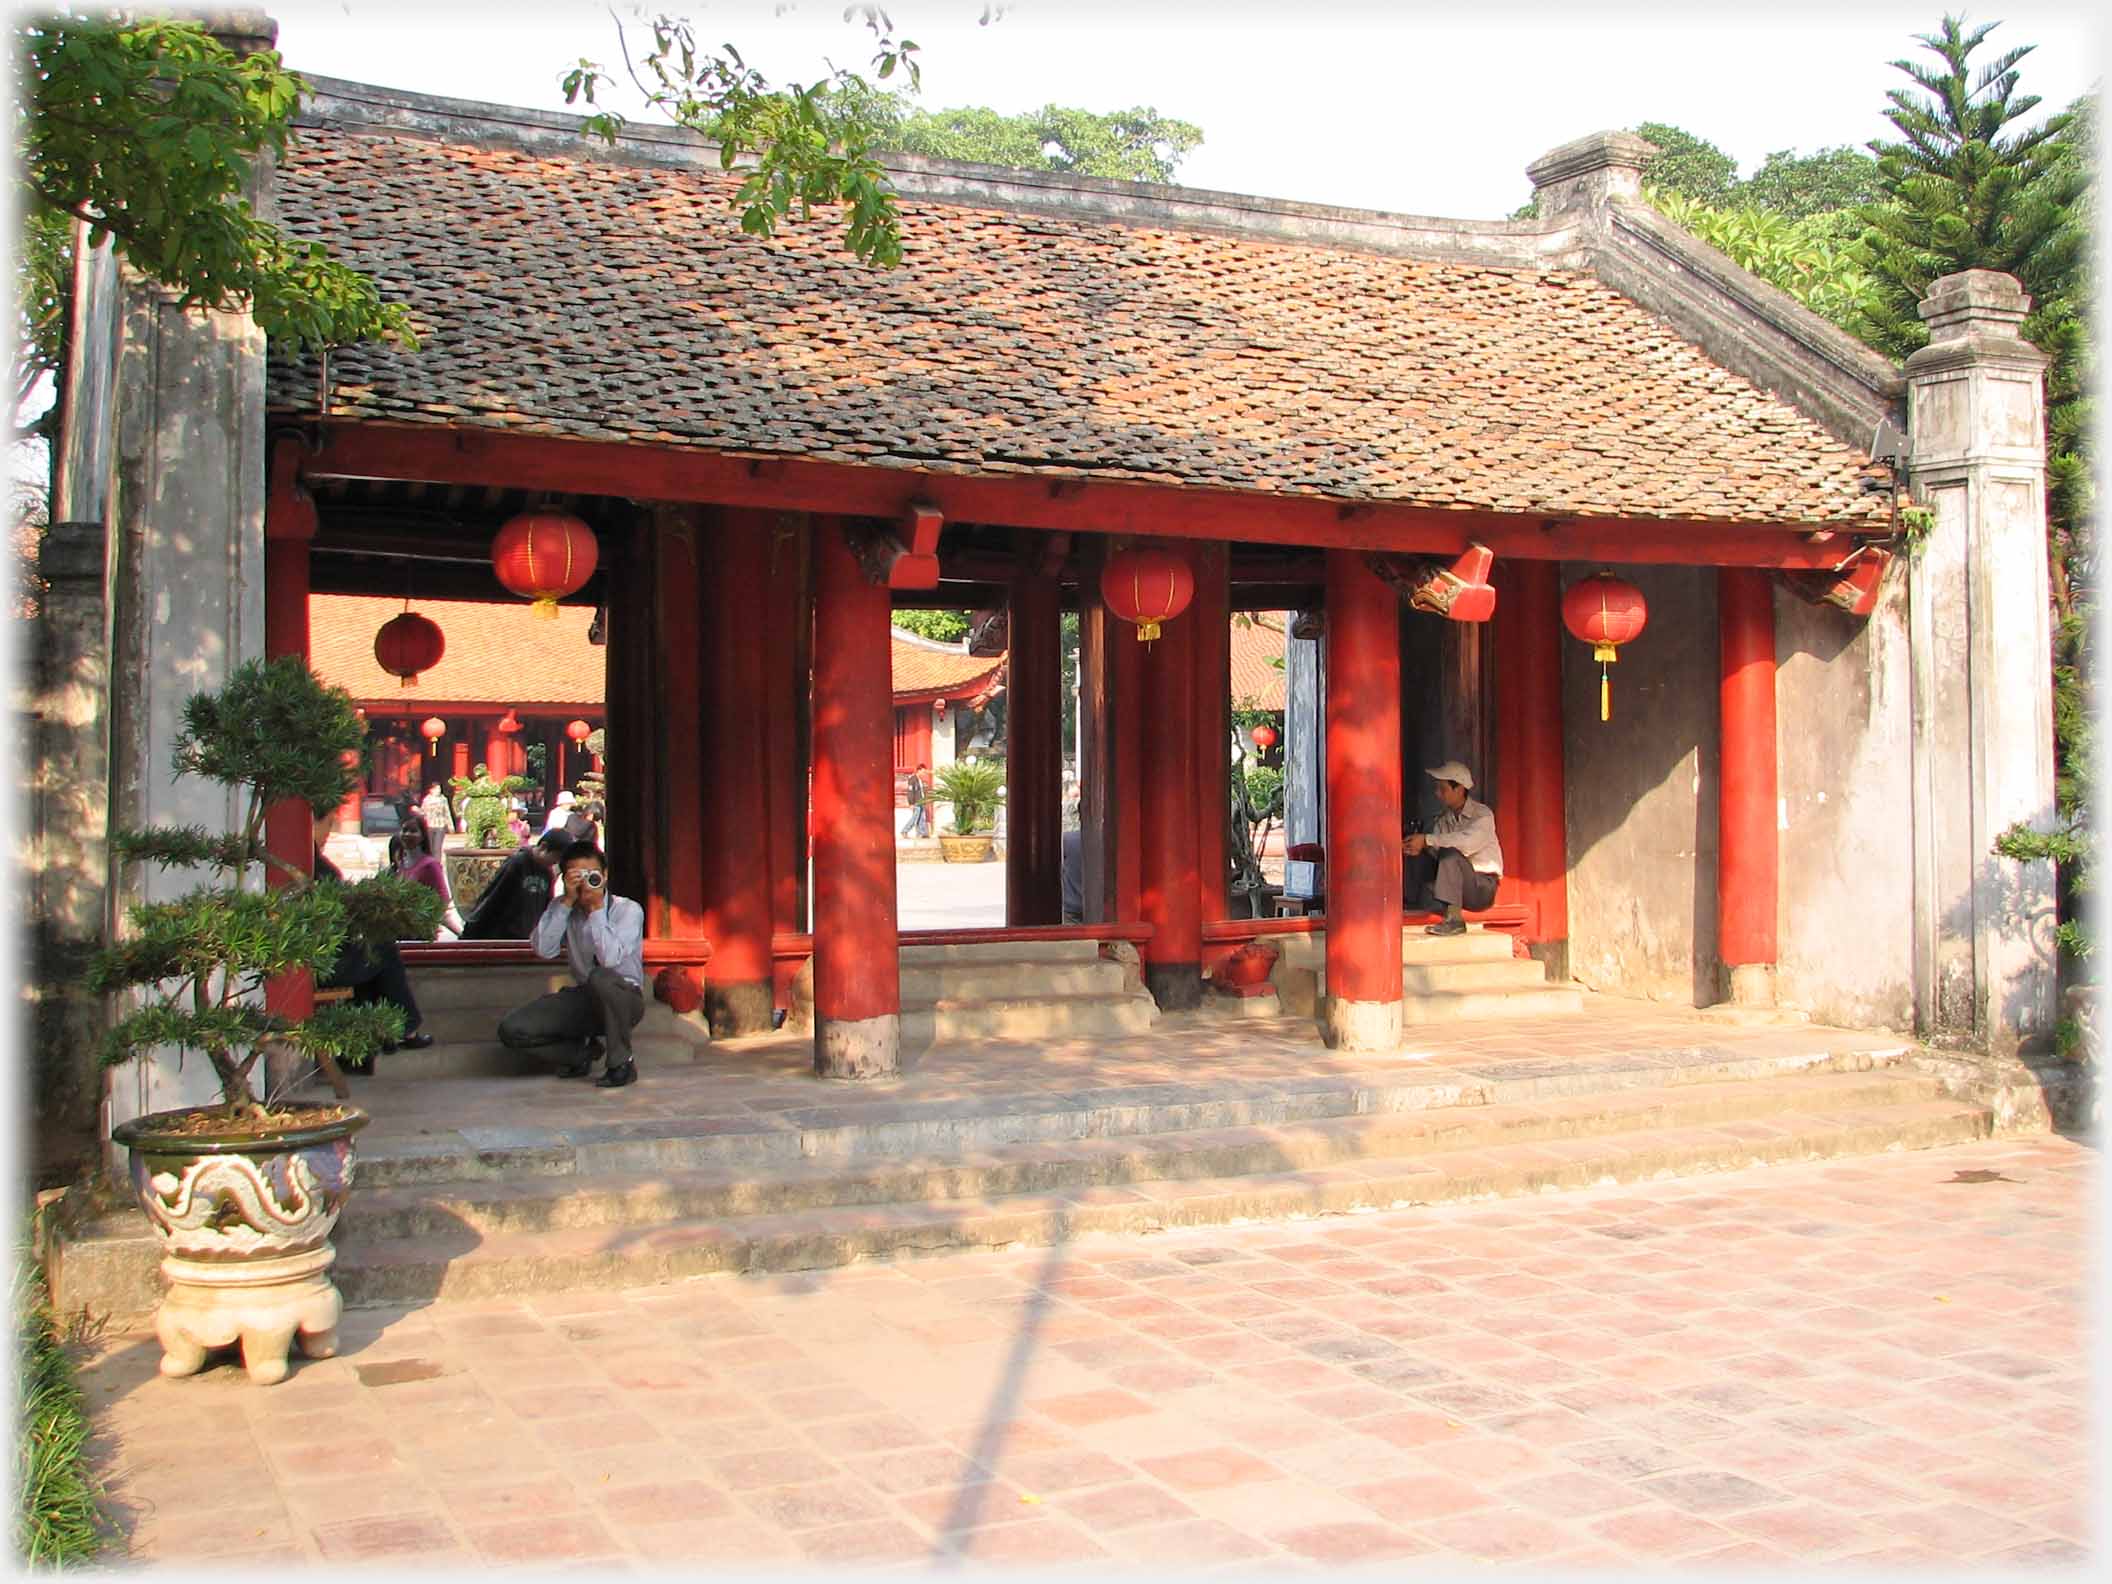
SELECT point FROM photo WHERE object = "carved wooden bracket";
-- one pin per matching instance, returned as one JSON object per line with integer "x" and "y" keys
{"x": 1852, "y": 586}
{"x": 905, "y": 556}
{"x": 1459, "y": 592}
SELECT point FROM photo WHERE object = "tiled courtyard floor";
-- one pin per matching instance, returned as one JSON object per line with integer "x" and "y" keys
{"x": 1880, "y": 1360}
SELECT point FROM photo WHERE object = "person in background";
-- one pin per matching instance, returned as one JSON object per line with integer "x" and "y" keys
{"x": 919, "y": 821}
{"x": 1459, "y": 860}
{"x": 417, "y": 860}
{"x": 373, "y": 974}
{"x": 438, "y": 816}
{"x": 603, "y": 939}
{"x": 560, "y": 811}
{"x": 517, "y": 822}
{"x": 518, "y": 893}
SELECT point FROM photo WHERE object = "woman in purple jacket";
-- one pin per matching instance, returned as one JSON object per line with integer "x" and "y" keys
{"x": 416, "y": 860}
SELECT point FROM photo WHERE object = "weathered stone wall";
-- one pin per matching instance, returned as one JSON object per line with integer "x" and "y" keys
{"x": 1844, "y": 731}
{"x": 1642, "y": 797}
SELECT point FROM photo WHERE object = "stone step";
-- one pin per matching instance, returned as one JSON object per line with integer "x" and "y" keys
{"x": 1001, "y": 977}
{"x": 457, "y": 1261}
{"x": 1042, "y": 951}
{"x": 1027, "y": 1017}
{"x": 496, "y": 987}
{"x": 556, "y": 1201}
{"x": 1459, "y": 1006}
{"x": 1491, "y": 973}
{"x": 487, "y": 1058}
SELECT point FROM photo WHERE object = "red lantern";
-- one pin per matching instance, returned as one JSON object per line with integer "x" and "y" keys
{"x": 543, "y": 556}
{"x": 509, "y": 723}
{"x": 1604, "y": 612}
{"x": 938, "y": 706}
{"x": 407, "y": 645}
{"x": 1147, "y": 585}
{"x": 432, "y": 729}
{"x": 579, "y": 731}
{"x": 1264, "y": 737}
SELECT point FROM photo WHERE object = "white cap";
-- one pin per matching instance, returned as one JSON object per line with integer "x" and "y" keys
{"x": 1452, "y": 770}
{"x": 564, "y": 800}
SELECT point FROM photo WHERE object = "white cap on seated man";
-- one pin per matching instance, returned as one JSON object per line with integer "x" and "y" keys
{"x": 1462, "y": 861}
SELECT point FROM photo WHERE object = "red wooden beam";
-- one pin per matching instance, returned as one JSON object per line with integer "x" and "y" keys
{"x": 433, "y": 454}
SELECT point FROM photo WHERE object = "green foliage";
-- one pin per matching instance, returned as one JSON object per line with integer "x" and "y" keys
{"x": 486, "y": 802}
{"x": 55, "y": 1492}
{"x": 277, "y": 729}
{"x": 1688, "y": 165}
{"x": 149, "y": 129}
{"x": 806, "y": 151}
{"x": 1137, "y": 144}
{"x": 940, "y": 626}
{"x": 1801, "y": 186}
{"x": 973, "y": 787}
{"x": 199, "y": 962}
{"x": 1264, "y": 793}
{"x": 1817, "y": 260}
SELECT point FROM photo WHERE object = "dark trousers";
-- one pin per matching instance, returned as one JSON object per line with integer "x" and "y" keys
{"x": 607, "y": 1004}
{"x": 1449, "y": 878}
{"x": 375, "y": 974}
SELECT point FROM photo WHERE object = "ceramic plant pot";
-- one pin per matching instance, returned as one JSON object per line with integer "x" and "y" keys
{"x": 966, "y": 849}
{"x": 245, "y": 1226}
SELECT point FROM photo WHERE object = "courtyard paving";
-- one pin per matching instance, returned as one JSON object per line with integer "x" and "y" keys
{"x": 1878, "y": 1361}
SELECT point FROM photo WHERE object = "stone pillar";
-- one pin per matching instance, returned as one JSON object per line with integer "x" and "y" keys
{"x": 165, "y": 449}
{"x": 738, "y": 725}
{"x": 1363, "y": 1008}
{"x": 1034, "y": 745}
{"x": 1748, "y": 872}
{"x": 857, "y": 978}
{"x": 1304, "y": 737}
{"x": 1980, "y": 636}
{"x": 1169, "y": 894}
{"x": 1586, "y": 175}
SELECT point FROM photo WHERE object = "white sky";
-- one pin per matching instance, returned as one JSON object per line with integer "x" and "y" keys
{"x": 1428, "y": 107}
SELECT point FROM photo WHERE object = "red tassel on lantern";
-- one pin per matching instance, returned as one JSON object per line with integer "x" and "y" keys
{"x": 543, "y": 556}
{"x": 1147, "y": 585}
{"x": 407, "y": 645}
{"x": 1604, "y": 612}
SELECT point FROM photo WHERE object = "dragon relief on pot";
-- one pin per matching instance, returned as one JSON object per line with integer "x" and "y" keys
{"x": 220, "y": 1205}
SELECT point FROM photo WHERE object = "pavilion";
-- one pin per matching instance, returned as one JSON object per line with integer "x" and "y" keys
{"x": 1810, "y": 746}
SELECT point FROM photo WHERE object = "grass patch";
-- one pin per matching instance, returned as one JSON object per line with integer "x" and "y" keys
{"x": 56, "y": 1515}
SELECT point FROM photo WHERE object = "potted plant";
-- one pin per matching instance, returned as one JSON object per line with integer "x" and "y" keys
{"x": 973, "y": 787}
{"x": 487, "y": 804}
{"x": 243, "y": 1194}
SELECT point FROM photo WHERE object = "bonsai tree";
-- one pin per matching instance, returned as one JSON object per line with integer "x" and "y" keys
{"x": 973, "y": 787}
{"x": 201, "y": 960}
{"x": 486, "y": 800}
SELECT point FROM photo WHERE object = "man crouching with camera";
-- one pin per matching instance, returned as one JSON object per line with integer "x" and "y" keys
{"x": 603, "y": 936}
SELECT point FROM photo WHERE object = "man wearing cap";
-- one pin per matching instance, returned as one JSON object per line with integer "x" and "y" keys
{"x": 1459, "y": 859}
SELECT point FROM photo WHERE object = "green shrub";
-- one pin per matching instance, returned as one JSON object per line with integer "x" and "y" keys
{"x": 55, "y": 1518}
{"x": 973, "y": 789}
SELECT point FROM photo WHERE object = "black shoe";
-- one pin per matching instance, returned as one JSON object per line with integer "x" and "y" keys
{"x": 417, "y": 1042}
{"x": 1450, "y": 926}
{"x": 618, "y": 1077}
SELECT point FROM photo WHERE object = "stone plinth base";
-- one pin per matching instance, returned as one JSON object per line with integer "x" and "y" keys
{"x": 1753, "y": 984}
{"x": 857, "y": 1048}
{"x": 736, "y": 1009}
{"x": 263, "y": 1304}
{"x": 1361, "y": 1025}
{"x": 1177, "y": 987}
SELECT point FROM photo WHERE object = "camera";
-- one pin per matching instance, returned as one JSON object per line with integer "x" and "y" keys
{"x": 592, "y": 879}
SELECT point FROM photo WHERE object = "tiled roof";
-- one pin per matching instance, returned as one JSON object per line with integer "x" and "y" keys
{"x": 501, "y": 654}
{"x": 564, "y": 291}
{"x": 941, "y": 673}
{"x": 1257, "y": 661}
{"x": 496, "y": 654}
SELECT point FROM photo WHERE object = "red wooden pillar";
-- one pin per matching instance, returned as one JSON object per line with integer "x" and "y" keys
{"x": 1170, "y": 893}
{"x": 735, "y": 796}
{"x": 1034, "y": 747}
{"x": 1363, "y": 1010}
{"x": 290, "y": 833}
{"x": 788, "y": 649}
{"x": 680, "y": 659}
{"x": 1747, "y": 859}
{"x": 1211, "y": 682}
{"x": 857, "y": 989}
{"x": 1530, "y": 797}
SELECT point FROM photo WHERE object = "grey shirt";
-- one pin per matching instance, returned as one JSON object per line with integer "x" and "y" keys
{"x": 1471, "y": 832}
{"x": 612, "y": 936}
